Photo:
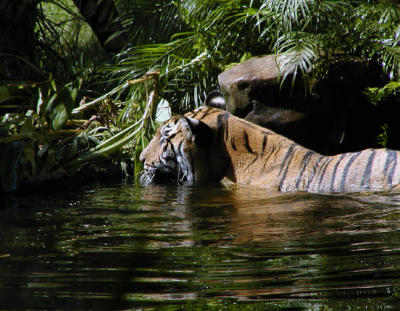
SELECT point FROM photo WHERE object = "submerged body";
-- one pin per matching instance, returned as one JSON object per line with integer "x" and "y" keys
{"x": 209, "y": 144}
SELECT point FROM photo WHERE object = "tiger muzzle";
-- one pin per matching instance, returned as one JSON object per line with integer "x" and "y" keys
{"x": 157, "y": 175}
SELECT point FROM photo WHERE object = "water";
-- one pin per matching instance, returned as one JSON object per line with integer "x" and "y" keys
{"x": 127, "y": 247}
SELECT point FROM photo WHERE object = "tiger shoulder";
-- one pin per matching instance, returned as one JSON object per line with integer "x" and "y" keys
{"x": 209, "y": 144}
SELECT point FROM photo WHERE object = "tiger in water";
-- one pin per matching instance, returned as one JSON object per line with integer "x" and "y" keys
{"x": 210, "y": 144}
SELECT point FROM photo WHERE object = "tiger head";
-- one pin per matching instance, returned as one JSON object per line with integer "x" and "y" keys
{"x": 179, "y": 151}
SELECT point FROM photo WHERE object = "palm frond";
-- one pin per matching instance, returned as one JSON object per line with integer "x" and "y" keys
{"x": 149, "y": 21}
{"x": 299, "y": 51}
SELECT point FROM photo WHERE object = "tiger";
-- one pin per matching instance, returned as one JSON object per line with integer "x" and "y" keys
{"x": 209, "y": 144}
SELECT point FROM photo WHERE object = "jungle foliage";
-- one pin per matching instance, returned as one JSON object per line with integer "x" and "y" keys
{"x": 80, "y": 103}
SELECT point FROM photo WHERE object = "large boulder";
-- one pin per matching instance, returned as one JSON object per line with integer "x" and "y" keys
{"x": 334, "y": 117}
{"x": 239, "y": 82}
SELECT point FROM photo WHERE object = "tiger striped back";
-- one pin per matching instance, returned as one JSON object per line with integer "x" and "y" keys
{"x": 372, "y": 169}
{"x": 210, "y": 144}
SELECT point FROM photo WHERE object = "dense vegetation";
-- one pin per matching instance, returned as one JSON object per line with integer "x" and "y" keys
{"x": 71, "y": 93}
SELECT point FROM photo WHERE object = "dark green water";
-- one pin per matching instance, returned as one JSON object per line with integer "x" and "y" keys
{"x": 199, "y": 248}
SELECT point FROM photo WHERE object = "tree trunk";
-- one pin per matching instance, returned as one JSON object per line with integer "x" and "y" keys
{"x": 17, "y": 40}
{"x": 101, "y": 15}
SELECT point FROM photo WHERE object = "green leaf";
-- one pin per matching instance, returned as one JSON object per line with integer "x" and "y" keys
{"x": 59, "y": 115}
{"x": 60, "y": 106}
{"x": 4, "y": 94}
{"x": 40, "y": 104}
{"x": 138, "y": 166}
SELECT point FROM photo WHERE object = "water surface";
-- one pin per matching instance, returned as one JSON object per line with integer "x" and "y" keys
{"x": 121, "y": 246}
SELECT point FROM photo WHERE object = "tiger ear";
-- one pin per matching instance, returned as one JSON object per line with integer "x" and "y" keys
{"x": 215, "y": 99}
{"x": 202, "y": 132}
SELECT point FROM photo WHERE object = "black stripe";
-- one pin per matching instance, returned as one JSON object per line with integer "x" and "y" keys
{"x": 266, "y": 159}
{"x": 171, "y": 136}
{"x": 366, "y": 179}
{"x": 288, "y": 153}
{"x": 177, "y": 151}
{"x": 346, "y": 170}
{"x": 173, "y": 157}
{"x": 305, "y": 161}
{"x": 264, "y": 144}
{"x": 194, "y": 114}
{"x": 193, "y": 168}
{"x": 206, "y": 113}
{"x": 251, "y": 163}
{"x": 233, "y": 145}
{"x": 326, "y": 164}
{"x": 165, "y": 146}
{"x": 246, "y": 142}
{"x": 313, "y": 170}
{"x": 226, "y": 117}
{"x": 248, "y": 148}
{"x": 335, "y": 169}
{"x": 286, "y": 162}
{"x": 391, "y": 158}
{"x": 391, "y": 173}
{"x": 189, "y": 159}
{"x": 179, "y": 166}
{"x": 222, "y": 126}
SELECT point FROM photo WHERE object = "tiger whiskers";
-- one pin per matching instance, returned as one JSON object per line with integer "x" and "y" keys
{"x": 147, "y": 176}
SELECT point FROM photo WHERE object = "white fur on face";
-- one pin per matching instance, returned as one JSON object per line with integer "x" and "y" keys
{"x": 219, "y": 100}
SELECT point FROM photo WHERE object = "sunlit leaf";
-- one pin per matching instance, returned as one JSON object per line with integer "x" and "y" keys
{"x": 60, "y": 106}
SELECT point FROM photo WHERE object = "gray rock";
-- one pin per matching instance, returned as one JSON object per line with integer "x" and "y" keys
{"x": 335, "y": 117}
